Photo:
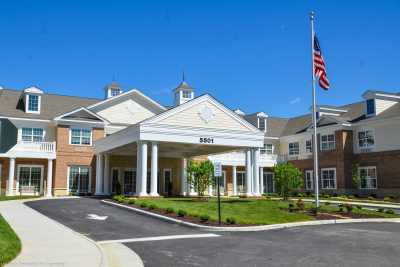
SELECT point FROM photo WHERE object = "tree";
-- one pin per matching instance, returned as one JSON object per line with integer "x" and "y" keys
{"x": 287, "y": 179}
{"x": 200, "y": 175}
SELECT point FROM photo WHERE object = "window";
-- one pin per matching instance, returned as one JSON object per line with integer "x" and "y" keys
{"x": 368, "y": 178}
{"x": 328, "y": 178}
{"x": 262, "y": 124}
{"x": 370, "y": 106}
{"x": 115, "y": 92}
{"x": 80, "y": 136}
{"x": 366, "y": 139}
{"x": 328, "y": 142}
{"x": 294, "y": 148}
{"x": 32, "y": 135}
{"x": 267, "y": 149}
{"x": 78, "y": 180}
{"x": 186, "y": 94}
{"x": 33, "y": 103}
{"x": 309, "y": 180}
{"x": 241, "y": 182}
{"x": 30, "y": 178}
{"x": 308, "y": 146}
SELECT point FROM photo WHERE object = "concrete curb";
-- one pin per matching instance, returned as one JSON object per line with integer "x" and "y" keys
{"x": 250, "y": 228}
{"x": 354, "y": 203}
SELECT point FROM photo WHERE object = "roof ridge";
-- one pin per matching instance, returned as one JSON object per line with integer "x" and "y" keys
{"x": 55, "y": 94}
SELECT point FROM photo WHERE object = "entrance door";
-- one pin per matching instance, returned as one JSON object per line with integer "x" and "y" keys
{"x": 268, "y": 180}
{"x": 115, "y": 184}
{"x": 129, "y": 182}
{"x": 30, "y": 179}
{"x": 167, "y": 182}
{"x": 222, "y": 181}
{"x": 78, "y": 181}
{"x": 241, "y": 182}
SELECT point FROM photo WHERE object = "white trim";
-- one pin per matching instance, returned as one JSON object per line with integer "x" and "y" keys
{"x": 157, "y": 238}
{"x": 24, "y": 119}
{"x": 376, "y": 177}
{"x": 327, "y": 142}
{"x": 27, "y": 96}
{"x": 127, "y": 93}
{"x": 372, "y": 147}
{"x": 335, "y": 179}
{"x": 89, "y": 167}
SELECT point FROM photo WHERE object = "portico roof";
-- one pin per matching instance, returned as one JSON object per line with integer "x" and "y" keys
{"x": 198, "y": 127}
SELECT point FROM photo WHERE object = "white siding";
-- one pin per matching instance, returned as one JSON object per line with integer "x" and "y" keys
{"x": 382, "y": 105}
{"x": 127, "y": 112}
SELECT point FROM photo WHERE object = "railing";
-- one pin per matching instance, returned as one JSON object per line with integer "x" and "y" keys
{"x": 287, "y": 157}
{"x": 47, "y": 147}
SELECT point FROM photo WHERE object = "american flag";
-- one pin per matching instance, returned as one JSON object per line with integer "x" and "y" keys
{"x": 319, "y": 66}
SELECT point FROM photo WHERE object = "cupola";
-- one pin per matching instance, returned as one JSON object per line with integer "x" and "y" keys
{"x": 183, "y": 93}
{"x": 113, "y": 89}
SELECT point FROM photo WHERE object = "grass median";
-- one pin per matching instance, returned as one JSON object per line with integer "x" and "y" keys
{"x": 5, "y": 198}
{"x": 10, "y": 245}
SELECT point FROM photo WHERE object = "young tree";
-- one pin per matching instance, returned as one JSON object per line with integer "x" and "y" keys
{"x": 200, "y": 174}
{"x": 287, "y": 179}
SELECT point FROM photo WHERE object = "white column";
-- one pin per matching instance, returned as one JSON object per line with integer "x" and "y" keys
{"x": 11, "y": 173}
{"x": 234, "y": 182}
{"x": 154, "y": 169}
{"x": 261, "y": 180}
{"x": 256, "y": 172}
{"x": 138, "y": 165}
{"x": 143, "y": 169}
{"x": 248, "y": 172}
{"x": 106, "y": 175}
{"x": 99, "y": 174}
{"x": 184, "y": 183}
{"x": 49, "y": 178}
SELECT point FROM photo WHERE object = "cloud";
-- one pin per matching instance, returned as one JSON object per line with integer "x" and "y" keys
{"x": 295, "y": 101}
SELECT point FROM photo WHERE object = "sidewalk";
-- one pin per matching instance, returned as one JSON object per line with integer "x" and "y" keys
{"x": 46, "y": 242}
{"x": 355, "y": 203}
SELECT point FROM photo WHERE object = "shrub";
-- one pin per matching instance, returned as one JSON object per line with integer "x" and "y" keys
{"x": 291, "y": 207}
{"x": 340, "y": 206}
{"x": 181, "y": 213}
{"x": 300, "y": 204}
{"x": 348, "y": 207}
{"x": 169, "y": 210}
{"x": 389, "y": 211}
{"x": 350, "y": 196}
{"x": 230, "y": 220}
{"x": 131, "y": 201}
{"x": 152, "y": 206}
{"x": 314, "y": 211}
{"x": 381, "y": 210}
{"x": 204, "y": 217}
{"x": 119, "y": 198}
{"x": 343, "y": 196}
{"x": 359, "y": 207}
{"x": 302, "y": 195}
{"x": 387, "y": 199}
{"x": 371, "y": 198}
{"x": 143, "y": 205}
{"x": 326, "y": 195}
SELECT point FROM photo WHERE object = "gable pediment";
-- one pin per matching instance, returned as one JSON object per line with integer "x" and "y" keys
{"x": 203, "y": 112}
{"x": 81, "y": 114}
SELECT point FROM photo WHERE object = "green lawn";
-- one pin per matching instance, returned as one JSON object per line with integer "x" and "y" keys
{"x": 10, "y": 245}
{"x": 249, "y": 211}
{"x": 245, "y": 211}
{"x": 5, "y": 198}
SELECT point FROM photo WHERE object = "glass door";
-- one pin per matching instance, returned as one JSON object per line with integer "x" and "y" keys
{"x": 241, "y": 182}
{"x": 115, "y": 184}
{"x": 129, "y": 182}
{"x": 30, "y": 179}
{"x": 78, "y": 182}
{"x": 167, "y": 182}
{"x": 268, "y": 180}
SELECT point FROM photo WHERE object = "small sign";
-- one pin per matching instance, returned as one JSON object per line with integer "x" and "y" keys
{"x": 96, "y": 217}
{"x": 217, "y": 169}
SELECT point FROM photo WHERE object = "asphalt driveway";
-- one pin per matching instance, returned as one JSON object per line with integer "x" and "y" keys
{"x": 360, "y": 244}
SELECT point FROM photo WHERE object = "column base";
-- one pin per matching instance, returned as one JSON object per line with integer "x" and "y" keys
{"x": 193, "y": 194}
{"x": 257, "y": 195}
{"x": 154, "y": 194}
{"x": 142, "y": 194}
{"x": 248, "y": 195}
{"x": 49, "y": 195}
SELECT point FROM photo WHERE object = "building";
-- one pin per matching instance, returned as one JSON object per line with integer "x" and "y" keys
{"x": 60, "y": 145}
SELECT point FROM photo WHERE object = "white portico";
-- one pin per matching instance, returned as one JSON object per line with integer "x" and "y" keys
{"x": 199, "y": 127}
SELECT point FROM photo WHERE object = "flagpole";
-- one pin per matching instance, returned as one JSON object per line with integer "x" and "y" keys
{"x": 314, "y": 115}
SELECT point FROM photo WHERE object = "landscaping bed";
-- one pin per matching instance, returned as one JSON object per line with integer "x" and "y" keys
{"x": 5, "y": 198}
{"x": 247, "y": 212}
{"x": 10, "y": 245}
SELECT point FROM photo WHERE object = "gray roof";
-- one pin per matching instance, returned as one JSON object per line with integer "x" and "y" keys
{"x": 275, "y": 126}
{"x": 11, "y": 104}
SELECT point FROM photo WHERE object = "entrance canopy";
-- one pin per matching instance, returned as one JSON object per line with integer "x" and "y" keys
{"x": 201, "y": 126}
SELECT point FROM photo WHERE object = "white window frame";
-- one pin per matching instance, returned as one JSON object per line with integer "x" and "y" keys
{"x": 186, "y": 94}
{"x": 311, "y": 172}
{"x": 80, "y": 140}
{"x": 21, "y": 134}
{"x": 244, "y": 185}
{"x": 259, "y": 124}
{"x": 327, "y": 142}
{"x": 298, "y": 149}
{"x": 90, "y": 176}
{"x": 19, "y": 166}
{"x": 27, "y": 96}
{"x": 115, "y": 92}
{"x": 358, "y": 139}
{"x": 309, "y": 149}
{"x": 322, "y": 178}
{"x": 368, "y": 177}
{"x": 266, "y": 151}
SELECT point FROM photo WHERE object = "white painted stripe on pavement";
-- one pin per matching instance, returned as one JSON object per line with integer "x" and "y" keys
{"x": 156, "y": 238}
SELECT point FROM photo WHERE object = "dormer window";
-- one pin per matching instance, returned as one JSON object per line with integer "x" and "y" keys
{"x": 370, "y": 107}
{"x": 262, "y": 124}
{"x": 32, "y": 99}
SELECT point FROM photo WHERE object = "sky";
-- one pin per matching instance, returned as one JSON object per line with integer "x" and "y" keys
{"x": 252, "y": 55}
